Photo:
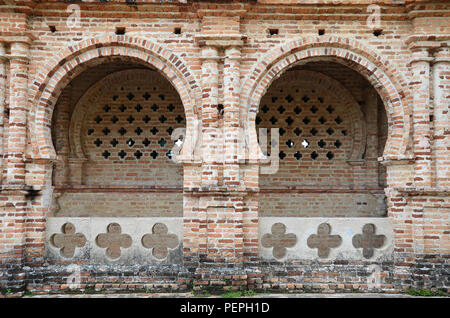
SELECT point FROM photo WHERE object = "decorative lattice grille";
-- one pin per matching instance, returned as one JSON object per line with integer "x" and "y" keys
{"x": 134, "y": 123}
{"x": 314, "y": 130}
{"x": 125, "y": 126}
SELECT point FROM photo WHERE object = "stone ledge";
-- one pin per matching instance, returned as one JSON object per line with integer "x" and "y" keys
{"x": 390, "y": 160}
{"x": 326, "y": 190}
{"x": 424, "y": 191}
{"x": 223, "y": 190}
{"x": 88, "y": 188}
{"x": 220, "y": 40}
{"x": 18, "y": 188}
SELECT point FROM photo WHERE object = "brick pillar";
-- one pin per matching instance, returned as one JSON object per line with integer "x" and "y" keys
{"x": 231, "y": 96}
{"x": 224, "y": 239}
{"x": 62, "y": 113}
{"x": 420, "y": 87}
{"x": 18, "y": 113}
{"x": 441, "y": 92}
{"x": 2, "y": 103}
{"x": 15, "y": 207}
{"x": 210, "y": 127}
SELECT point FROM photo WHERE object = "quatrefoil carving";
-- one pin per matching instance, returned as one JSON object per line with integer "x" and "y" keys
{"x": 113, "y": 240}
{"x": 160, "y": 241}
{"x": 368, "y": 240}
{"x": 323, "y": 241}
{"x": 279, "y": 240}
{"x": 68, "y": 241}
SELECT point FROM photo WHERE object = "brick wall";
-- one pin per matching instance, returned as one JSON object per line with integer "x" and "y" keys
{"x": 218, "y": 70}
{"x": 322, "y": 131}
{"x": 121, "y": 126}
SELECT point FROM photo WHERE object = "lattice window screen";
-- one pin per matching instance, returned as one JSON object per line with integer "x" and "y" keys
{"x": 314, "y": 128}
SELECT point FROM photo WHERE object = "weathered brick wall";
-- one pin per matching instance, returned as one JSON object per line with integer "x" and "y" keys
{"x": 323, "y": 130}
{"x": 122, "y": 126}
{"x": 298, "y": 203}
{"x": 119, "y": 202}
{"x": 219, "y": 60}
{"x": 421, "y": 229}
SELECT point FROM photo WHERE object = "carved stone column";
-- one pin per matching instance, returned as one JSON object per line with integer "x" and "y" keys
{"x": 210, "y": 99}
{"x": 420, "y": 88}
{"x": 215, "y": 215}
{"x": 3, "y": 62}
{"x": 231, "y": 96}
{"x": 441, "y": 92}
{"x": 371, "y": 102}
{"x": 62, "y": 115}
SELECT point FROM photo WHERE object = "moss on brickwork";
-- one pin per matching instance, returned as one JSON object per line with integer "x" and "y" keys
{"x": 426, "y": 292}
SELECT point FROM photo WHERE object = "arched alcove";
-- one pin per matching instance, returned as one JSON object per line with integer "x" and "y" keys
{"x": 113, "y": 129}
{"x": 330, "y": 137}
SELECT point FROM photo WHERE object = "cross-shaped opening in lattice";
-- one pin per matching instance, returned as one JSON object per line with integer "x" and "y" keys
{"x": 305, "y": 143}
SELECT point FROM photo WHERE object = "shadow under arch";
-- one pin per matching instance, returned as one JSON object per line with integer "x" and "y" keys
{"x": 67, "y": 64}
{"x": 379, "y": 73}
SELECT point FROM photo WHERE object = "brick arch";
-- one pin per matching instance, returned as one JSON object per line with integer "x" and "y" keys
{"x": 64, "y": 66}
{"x": 380, "y": 74}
